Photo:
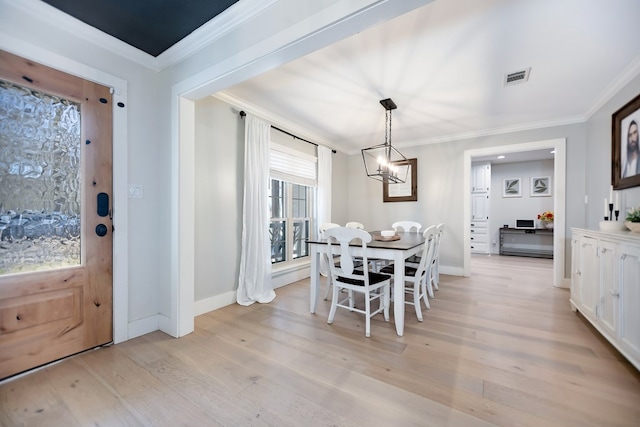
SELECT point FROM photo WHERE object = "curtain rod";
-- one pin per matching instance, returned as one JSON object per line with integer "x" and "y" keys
{"x": 242, "y": 114}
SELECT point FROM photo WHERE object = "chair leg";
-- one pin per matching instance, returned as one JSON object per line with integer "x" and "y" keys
{"x": 334, "y": 304}
{"x": 386, "y": 298}
{"x": 367, "y": 313}
{"x": 427, "y": 279}
{"x": 326, "y": 295}
{"x": 424, "y": 294}
{"x": 416, "y": 300}
{"x": 435, "y": 275}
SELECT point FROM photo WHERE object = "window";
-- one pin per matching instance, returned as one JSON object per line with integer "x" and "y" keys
{"x": 290, "y": 205}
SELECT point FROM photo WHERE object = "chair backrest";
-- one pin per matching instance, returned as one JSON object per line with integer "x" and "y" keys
{"x": 326, "y": 226}
{"x": 407, "y": 226}
{"x": 341, "y": 252}
{"x": 357, "y": 225}
{"x": 428, "y": 251}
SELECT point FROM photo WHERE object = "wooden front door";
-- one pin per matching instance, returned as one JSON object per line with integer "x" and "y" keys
{"x": 56, "y": 243}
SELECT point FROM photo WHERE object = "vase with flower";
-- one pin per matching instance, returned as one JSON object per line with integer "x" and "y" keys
{"x": 546, "y": 219}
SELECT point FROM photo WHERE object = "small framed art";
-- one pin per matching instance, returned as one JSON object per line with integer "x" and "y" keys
{"x": 540, "y": 186}
{"x": 512, "y": 187}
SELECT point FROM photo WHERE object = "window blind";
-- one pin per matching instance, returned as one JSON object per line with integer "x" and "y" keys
{"x": 298, "y": 168}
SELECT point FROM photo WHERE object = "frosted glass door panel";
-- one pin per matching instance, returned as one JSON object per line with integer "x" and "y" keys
{"x": 39, "y": 180}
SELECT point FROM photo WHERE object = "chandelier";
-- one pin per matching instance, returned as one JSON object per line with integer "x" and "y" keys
{"x": 381, "y": 162}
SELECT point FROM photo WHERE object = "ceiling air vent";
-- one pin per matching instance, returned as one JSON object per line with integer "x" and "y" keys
{"x": 517, "y": 77}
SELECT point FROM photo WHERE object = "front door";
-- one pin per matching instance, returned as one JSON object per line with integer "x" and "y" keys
{"x": 55, "y": 215}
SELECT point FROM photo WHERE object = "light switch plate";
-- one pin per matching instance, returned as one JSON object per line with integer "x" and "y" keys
{"x": 135, "y": 191}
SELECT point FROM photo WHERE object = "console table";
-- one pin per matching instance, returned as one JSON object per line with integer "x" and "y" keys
{"x": 536, "y": 243}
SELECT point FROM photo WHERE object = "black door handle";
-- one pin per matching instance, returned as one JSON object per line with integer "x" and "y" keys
{"x": 101, "y": 230}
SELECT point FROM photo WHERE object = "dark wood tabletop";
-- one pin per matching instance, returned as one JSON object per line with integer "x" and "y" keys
{"x": 407, "y": 241}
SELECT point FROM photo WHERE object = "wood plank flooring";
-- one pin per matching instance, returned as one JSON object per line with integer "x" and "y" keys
{"x": 500, "y": 348}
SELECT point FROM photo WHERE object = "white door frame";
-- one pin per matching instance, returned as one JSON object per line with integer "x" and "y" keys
{"x": 559, "y": 199}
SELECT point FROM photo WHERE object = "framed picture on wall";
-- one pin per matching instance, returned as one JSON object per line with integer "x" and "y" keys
{"x": 511, "y": 187}
{"x": 403, "y": 192}
{"x": 540, "y": 186}
{"x": 625, "y": 146}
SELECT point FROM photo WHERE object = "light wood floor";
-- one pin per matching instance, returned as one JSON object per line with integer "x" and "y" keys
{"x": 500, "y": 348}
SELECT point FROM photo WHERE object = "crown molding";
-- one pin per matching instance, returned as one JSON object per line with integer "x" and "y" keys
{"x": 629, "y": 73}
{"x": 222, "y": 24}
{"x": 236, "y": 15}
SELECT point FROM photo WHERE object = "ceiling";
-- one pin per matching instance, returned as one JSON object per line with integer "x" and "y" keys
{"x": 444, "y": 65}
{"x": 151, "y": 26}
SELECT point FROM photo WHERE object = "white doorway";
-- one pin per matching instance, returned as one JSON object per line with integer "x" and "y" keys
{"x": 559, "y": 191}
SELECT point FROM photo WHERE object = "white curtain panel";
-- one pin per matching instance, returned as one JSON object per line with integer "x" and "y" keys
{"x": 324, "y": 195}
{"x": 254, "y": 281}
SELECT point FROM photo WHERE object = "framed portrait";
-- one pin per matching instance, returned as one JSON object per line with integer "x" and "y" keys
{"x": 511, "y": 187}
{"x": 540, "y": 186}
{"x": 406, "y": 192}
{"x": 625, "y": 147}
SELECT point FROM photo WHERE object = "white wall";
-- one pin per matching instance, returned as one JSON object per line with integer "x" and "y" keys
{"x": 340, "y": 189}
{"x": 218, "y": 204}
{"x": 505, "y": 210}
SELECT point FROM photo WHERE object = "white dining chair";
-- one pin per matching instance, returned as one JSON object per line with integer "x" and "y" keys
{"x": 405, "y": 226}
{"x": 374, "y": 263}
{"x": 417, "y": 279}
{"x": 374, "y": 286}
{"x": 353, "y": 224}
{"x": 409, "y": 226}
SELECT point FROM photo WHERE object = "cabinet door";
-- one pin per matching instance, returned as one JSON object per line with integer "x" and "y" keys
{"x": 609, "y": 295}
{"x": 479, "y": 207}
{"x": 481, "y": 178}
{"x": 589, "y": 291}
{"x": 576, "y": 272}
{"x": 629, "y": 286}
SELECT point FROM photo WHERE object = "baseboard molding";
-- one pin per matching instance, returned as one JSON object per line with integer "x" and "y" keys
{"x": 144, "y": 326}
{"x": 215, "y": 302}
{"x": 283, "y": 278}
{"x": 565, "y": 284}
{"x": 452, "y": 271}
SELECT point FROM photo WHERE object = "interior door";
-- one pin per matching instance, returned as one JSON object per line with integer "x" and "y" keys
{"x": 55, "y": 215}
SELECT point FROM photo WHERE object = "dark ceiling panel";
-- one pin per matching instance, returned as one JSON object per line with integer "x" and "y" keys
{"x": 152, "y": 26}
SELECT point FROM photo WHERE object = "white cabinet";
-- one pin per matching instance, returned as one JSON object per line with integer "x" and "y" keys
{"x": 480, "y": 189}
{"x": 479, "y": 237}
{"x": 481, "y": 178}
{"x": 629, "y": 295}
{"x": 480, "y": 207}
{"x": 605, "y": 286}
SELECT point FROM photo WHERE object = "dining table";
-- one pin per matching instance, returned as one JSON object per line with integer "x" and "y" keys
{"x": 397, "y": 251}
